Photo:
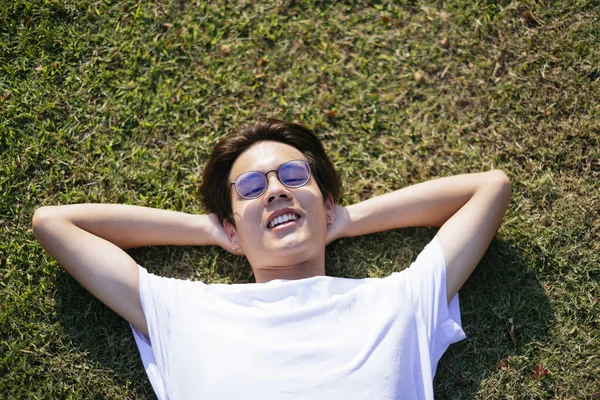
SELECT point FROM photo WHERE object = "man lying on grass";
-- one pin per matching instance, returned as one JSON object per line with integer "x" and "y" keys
{"x": 295, "y": 333}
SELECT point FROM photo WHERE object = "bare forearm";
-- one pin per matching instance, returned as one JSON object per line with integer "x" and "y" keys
{"x": 130, "y": 226}
{"x": 429, "y": 203}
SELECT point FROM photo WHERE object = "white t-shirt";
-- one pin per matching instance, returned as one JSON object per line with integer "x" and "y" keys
{"x": 313, "y": 338}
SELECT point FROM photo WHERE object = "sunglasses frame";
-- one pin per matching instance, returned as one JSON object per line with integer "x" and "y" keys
{"x": 310, "y": 165}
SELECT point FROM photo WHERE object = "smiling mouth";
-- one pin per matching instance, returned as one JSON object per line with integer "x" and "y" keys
{"x": 282, "y": 219}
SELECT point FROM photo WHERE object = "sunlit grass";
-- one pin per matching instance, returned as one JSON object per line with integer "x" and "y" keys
{"x": 106, "y": 101}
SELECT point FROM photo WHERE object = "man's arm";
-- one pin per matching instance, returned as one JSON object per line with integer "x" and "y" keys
{"x": 88, "y": 241}
{"x": 468, "y": 208}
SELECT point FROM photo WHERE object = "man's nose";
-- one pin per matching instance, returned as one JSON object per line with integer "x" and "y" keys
{"x": 275, "y": 189}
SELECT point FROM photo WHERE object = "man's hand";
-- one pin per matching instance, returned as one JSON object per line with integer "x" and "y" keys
{"x": 340, "y": 226}
{"x": 219, "y": 237}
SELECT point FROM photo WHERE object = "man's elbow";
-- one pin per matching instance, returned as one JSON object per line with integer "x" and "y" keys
{"x": 42, "y": 217}
{"x": 502, "y": 183}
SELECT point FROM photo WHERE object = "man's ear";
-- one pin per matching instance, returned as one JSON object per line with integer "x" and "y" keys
{"x": 231, "y": 234}
{"x": 329, "y": 208}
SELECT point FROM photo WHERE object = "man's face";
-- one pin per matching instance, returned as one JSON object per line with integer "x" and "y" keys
{"x": 293, "y": 242}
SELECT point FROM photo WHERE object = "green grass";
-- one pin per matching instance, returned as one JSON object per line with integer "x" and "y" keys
{"x": 105, "y": 101}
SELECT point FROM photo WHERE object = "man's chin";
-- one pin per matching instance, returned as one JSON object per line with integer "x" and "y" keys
{"x": 290, "y": 251}
{"x": 288, "y": 247}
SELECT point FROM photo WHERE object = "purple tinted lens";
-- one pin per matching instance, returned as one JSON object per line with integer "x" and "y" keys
{"x": 251, "y": 184}
{"x": 294, "y": 173}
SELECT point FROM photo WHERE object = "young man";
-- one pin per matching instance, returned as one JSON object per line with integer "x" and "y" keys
{"x": 295, "y": 333}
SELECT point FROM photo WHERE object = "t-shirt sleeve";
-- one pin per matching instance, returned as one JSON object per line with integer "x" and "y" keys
{"x": 160, "y": 299}
{"x": 427, "y": 290}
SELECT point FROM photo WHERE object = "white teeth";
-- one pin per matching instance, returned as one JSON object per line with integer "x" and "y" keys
{"x": 281, "y": 219}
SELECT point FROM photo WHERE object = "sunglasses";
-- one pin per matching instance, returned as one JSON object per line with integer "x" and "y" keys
{"x": 253, "y": 184}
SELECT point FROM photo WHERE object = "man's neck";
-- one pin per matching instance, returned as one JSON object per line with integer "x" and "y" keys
{"x": 306, "y": 269}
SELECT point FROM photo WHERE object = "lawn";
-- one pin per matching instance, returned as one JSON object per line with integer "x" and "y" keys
{"x": 122, "y": 101}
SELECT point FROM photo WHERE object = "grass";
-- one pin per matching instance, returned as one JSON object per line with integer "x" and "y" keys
{"x": 105, "y": 101}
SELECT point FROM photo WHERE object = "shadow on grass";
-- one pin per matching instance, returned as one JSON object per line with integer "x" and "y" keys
{"x": 501, "y": 289}
{"x": 502, "y": 294}
{"x": 104, "y": 337}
